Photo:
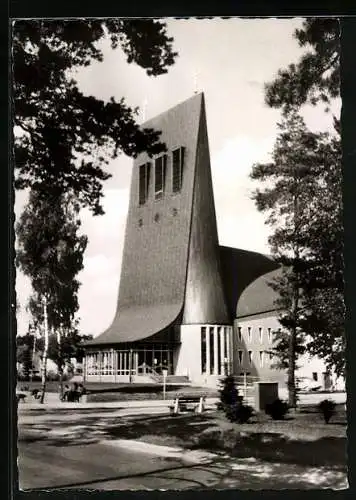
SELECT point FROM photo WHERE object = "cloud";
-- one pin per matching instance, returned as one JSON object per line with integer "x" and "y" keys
{"x": 23, "y": 291}
{"x": 98, "y": 293}
{"x": 102, "y": 264}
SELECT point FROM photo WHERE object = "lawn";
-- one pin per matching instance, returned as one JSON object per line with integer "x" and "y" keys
{"x": 302, "y": 438}
{"x": 147, "y": 392}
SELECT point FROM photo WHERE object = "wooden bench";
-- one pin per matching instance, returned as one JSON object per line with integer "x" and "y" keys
{"x": 187, "y": 402}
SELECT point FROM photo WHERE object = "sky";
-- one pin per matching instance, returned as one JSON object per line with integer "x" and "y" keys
{"x": 230, "y": 61}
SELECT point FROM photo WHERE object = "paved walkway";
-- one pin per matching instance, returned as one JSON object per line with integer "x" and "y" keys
{"x": 52, "y": 402}
{"x": 123, "y": 466}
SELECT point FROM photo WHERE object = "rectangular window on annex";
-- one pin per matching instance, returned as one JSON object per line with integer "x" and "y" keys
{"x": 203, "y": 349}
{"x": 160, "y": 176}
{"x": 262, "y": 354}
{"x": 177, "y": 169}
{"x": 144, "y": 182}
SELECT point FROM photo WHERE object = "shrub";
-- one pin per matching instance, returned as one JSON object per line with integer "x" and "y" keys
{"x": 277, "y": 410}
{"x": 239, "y": 413}
{"x": 327, "y": 409}
{"x": 229, "y": 394}
{"x": 231, "y": 403}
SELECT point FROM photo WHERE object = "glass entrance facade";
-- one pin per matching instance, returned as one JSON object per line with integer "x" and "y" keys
{"x": 140, "y": 360}
{"x": 215, "y": 343}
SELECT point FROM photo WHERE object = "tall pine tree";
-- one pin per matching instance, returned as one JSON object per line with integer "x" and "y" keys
{"x": 315, "y": 80}
{"x": 292, "y": 179}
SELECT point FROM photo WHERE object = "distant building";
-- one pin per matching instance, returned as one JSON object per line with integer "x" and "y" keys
{"x": 186, "y": 304}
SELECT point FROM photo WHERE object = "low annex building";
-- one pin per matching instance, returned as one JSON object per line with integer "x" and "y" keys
{"x": 185, "y": 304}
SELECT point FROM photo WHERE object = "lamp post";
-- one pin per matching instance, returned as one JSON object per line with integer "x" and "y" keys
{"x": 130, "y": 367}
{"x": 165, "y": 372}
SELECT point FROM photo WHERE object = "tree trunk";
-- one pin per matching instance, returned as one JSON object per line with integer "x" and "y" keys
{"x": 60, "y": 373}
{"x": 292, "y": 393}
{"x": 44, "y": 376}
{"x": 292, "y": 354}
{"x": 60, "y": 363}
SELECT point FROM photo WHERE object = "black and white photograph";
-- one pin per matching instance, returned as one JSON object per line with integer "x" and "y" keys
{"x": 179, "y": 254}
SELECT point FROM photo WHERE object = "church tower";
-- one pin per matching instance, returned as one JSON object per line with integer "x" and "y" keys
{"x": 171, "y": 291}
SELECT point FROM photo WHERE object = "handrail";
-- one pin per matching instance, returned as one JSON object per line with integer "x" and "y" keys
{"x": 151, "y": 371}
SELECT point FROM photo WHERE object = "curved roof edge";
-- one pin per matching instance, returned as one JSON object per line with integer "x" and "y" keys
{"x": 240, "y": 269}
{"x": 137, "y": 323}
{"x": 258, "y": 297}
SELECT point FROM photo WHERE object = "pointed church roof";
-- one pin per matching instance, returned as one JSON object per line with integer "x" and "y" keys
{"x": 155, "y": 257}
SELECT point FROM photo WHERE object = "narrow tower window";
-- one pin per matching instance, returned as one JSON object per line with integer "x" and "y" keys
{"x": 250, "y": 355}
{"x": 241, "y": 356}
{"x": 177, "y": 175}
{"x": 160, "y": 176}
{"x": 144, "y": 182}
{"x": 260, "y": 333}
{"x": 262, "y": 354}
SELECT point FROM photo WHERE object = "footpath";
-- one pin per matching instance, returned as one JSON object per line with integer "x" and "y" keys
{"x": 52, "y": 402}
{"x": 109, "y": 463}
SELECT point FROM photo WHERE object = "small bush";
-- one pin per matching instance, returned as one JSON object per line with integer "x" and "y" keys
{"x": 229, "y": 394}
{"x": 277, "y": 410}
{"x": 231, "y": 403}
{"x": 327, "y": 409}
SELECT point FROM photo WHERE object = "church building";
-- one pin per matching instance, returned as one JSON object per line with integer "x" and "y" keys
{"x": 186, "y": 304}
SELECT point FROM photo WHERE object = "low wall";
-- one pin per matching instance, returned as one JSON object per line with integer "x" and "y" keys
{"x": 108, "y": 378}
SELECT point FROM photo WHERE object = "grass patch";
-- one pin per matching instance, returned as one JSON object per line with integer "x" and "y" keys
{"x": 302, "y": 439}
{"x": 139, "y": 392}
{"x": 106, "y": 392}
